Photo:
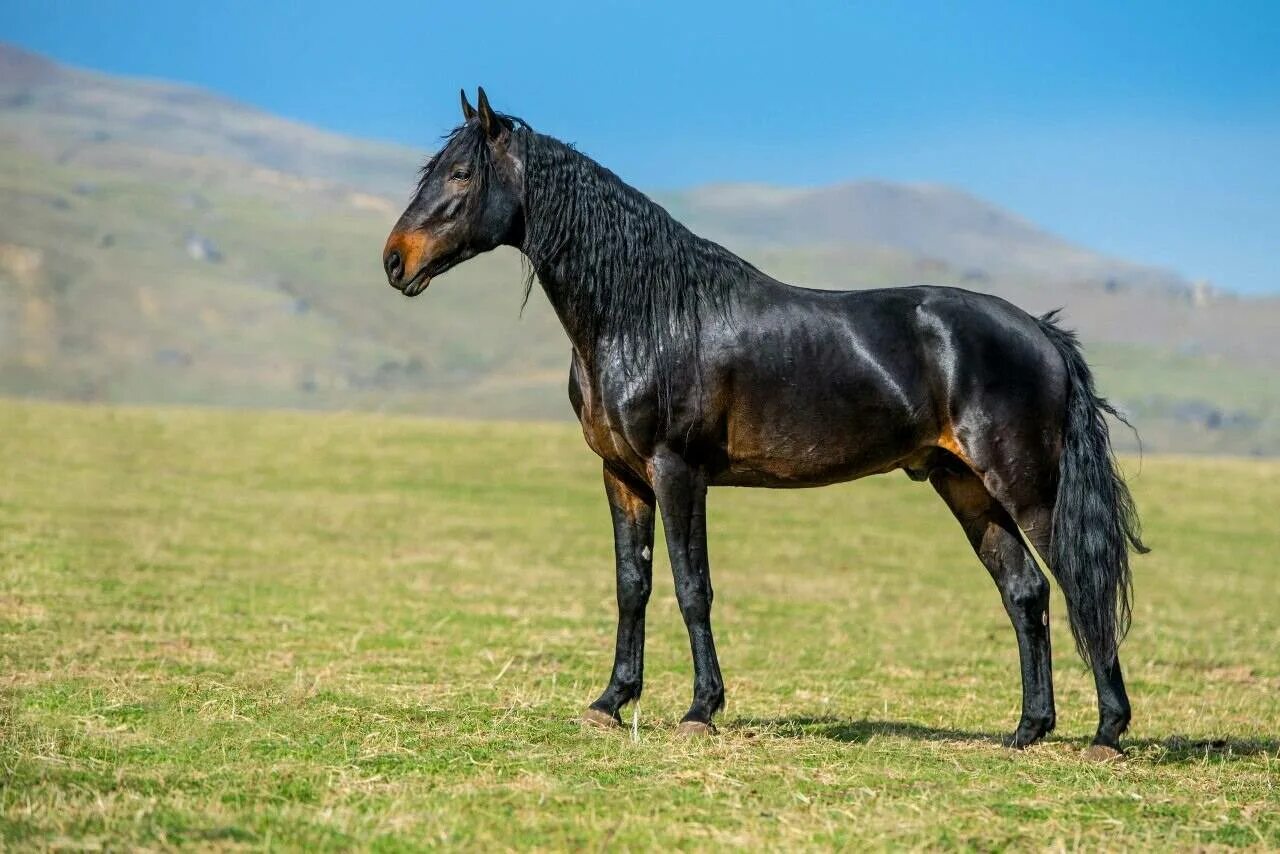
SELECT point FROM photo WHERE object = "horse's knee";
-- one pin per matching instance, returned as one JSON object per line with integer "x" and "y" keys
{"x": 634, "y": 589}
{"x": 696, "y": 609}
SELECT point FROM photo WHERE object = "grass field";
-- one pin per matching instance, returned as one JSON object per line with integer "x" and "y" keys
{"x": 275, "y": 630}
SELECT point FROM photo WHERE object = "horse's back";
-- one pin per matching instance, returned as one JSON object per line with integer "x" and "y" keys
{"x": 822, "y": 386}
{"x": 953, "y": 342}
{"x": 816, "y": 387}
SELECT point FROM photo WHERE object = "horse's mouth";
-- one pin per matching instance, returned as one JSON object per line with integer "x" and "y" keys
{"x": 417, "y": 284}
{"x": 429, "y": 271}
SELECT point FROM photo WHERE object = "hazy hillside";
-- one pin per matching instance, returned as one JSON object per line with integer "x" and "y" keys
{"x": 121, "y": 123}
{"x": 923, "y": 220}
{"x": 160, "y": 243}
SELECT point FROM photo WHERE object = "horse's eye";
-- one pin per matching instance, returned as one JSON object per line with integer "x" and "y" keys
{"x": 460, "y": 174}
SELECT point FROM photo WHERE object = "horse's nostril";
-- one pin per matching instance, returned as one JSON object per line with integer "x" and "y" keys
{"x": 394, "y": 265}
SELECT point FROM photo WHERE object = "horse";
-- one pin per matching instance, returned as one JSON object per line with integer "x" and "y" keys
{"x": 691, "y": 368}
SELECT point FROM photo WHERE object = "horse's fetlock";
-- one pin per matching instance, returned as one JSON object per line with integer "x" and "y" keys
{"x": 631, "y": 690}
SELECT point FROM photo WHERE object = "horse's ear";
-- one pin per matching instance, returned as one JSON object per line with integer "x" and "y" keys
{"x": 468, "y": 111}
{"x": 493, "y": 124}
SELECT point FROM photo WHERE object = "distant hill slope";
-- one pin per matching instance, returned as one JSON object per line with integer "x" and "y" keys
{"x": 162, "y": 244}
{"x": 76, "y": 115}
{"x": 923, "y": 220}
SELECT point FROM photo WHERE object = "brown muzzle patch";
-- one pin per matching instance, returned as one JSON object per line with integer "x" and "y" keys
{"x": 416, "y": 250}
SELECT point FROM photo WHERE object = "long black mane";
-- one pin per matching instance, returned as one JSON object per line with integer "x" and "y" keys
{"x": 625, "y": 269}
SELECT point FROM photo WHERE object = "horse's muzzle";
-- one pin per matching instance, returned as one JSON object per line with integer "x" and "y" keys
{"x": 403, "y": 260}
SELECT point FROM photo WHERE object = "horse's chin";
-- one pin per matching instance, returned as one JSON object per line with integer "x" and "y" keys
{"x": 417, "y": 286}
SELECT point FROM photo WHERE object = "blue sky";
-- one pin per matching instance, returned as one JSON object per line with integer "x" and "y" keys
{"x": 1149, "y": 130}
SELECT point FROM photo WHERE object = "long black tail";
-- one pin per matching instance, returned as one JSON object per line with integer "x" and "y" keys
{"x": 1094, "y": 520}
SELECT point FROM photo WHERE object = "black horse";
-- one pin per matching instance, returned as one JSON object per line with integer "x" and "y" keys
{"x": 691, "y": 368}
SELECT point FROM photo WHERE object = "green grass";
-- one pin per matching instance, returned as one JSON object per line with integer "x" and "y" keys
{"x": 324, "y": 631}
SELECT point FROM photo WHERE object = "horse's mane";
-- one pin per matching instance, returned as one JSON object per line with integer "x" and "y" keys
{"x": 638, "y": 275}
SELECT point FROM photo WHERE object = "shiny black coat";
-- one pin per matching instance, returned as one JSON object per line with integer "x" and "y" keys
{"x": 692, "y": 369}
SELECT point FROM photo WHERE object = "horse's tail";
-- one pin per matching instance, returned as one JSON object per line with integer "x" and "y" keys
{"x": 1095, "y": 522}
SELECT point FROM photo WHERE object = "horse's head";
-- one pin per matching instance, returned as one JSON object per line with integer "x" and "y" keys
{"x": 468, "y": 201}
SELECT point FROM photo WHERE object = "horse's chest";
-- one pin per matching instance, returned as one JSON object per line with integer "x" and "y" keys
{"x": 597, "y": 432}
{"x": 601, "y": 434}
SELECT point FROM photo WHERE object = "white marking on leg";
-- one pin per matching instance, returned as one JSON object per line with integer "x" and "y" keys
{"x": 645, "y": 554}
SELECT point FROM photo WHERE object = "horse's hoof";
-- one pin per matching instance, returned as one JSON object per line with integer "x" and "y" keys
{"x": 696, "y": 729}
{"x": 1027, "y": 735}
{"x": 1102, "y": 753}
{"x": 596, "y": 719}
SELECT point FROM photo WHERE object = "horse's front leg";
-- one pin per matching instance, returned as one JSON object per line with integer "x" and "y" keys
{"x": 631, "y": 506}
{"x": 682, "y": 498}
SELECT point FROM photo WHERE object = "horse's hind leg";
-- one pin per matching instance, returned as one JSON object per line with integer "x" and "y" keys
{"x": 1023, "y": 589}
{"x": 1113, "y": 701}
{"x": 1026, "y": 497}
{"x": 1113, "y": 709}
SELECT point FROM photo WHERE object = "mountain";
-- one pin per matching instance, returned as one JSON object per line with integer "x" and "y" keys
{"x": 124, "y": 124}
{"x": 923, "y": 220}
{"x": 160, "y": 243}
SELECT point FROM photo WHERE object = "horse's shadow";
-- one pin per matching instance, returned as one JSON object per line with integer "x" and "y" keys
{"x": 1170, "y": 750}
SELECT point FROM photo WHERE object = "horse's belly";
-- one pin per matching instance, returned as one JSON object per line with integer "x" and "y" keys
{"x": 814, "y": 451}
{"x": 802, "y": 471}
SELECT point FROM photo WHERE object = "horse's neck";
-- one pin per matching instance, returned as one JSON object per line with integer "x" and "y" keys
{"x": 564, "y": 287}
{"x": 569, "y": 264}
{"x": 568, "y": 277}
{"x": 598, "y": 248}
